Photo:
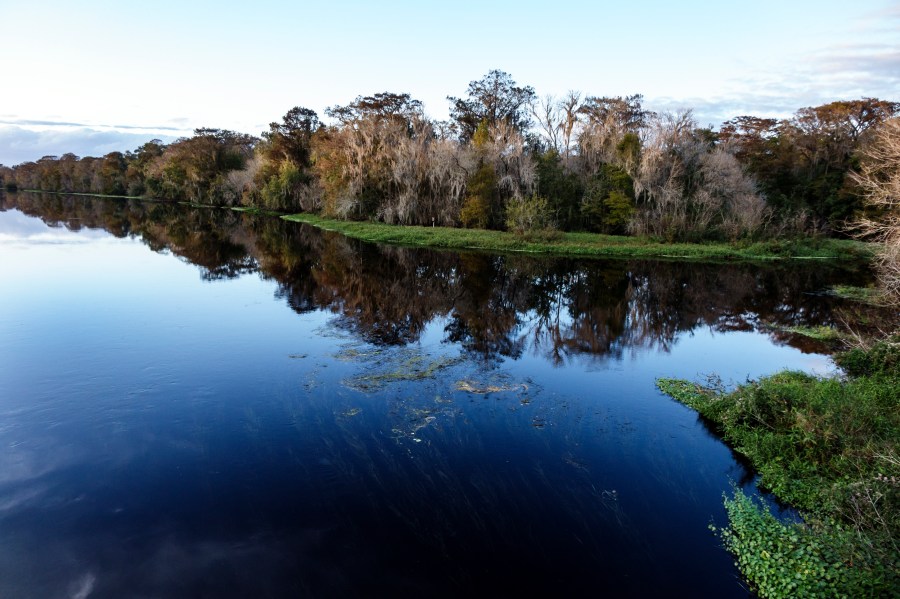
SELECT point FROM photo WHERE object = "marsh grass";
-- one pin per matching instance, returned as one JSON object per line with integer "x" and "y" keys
{"x": 865, "y": 295}
{"x": 829, "y": 447}
{"x": 823, "y": 333}
{"x": 585, "y": 244}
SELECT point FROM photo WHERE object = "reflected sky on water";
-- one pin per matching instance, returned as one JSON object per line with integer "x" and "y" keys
{"x": 209, "y": 403}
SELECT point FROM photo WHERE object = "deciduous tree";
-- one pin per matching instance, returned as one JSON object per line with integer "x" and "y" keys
{"x": 879, "y": 179}
{"x": 494, "y": 99}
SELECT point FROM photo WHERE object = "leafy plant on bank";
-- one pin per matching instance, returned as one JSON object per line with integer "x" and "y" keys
{"x": 798, "y": 560}
{"x": 829, "y": 447}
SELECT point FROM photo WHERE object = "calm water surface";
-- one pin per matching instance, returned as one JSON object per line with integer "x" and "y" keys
{"x": 202, "y": 403}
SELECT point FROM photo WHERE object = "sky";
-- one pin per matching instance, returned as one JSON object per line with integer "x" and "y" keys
{"x": 95, "y": 76}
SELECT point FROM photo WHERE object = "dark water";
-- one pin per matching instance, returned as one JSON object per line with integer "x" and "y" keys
{"x": 202, "y": 403}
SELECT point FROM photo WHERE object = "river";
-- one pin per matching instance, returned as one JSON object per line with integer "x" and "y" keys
{"x": 206, "y": 403}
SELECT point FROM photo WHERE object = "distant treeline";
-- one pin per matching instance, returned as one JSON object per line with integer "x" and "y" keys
{"x": 508, "y": 159}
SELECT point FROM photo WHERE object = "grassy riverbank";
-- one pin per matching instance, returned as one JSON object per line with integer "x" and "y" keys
{"x": 586, "y": 244}
{"x": 828, "y": 446}
{"x": 559, "y": 243}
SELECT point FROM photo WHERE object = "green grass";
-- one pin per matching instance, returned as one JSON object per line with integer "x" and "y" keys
{"x": 829, "y": 447}
{"x": 583, "y": 244}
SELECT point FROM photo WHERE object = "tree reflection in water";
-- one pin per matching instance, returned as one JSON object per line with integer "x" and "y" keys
{"x": 495, "y": 306}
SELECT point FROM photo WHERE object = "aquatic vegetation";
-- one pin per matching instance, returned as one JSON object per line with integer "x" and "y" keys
{"x": 354, "y": 354}
{"x": 828, "y": 446}
{"x": 795, "y": 559}
{"x": 866, "y": 295}
{"x": 823, "y": 333}
{"x": 416, "y": 420}
{"x": 393, "y": 367}
{"x": 470, "y": 386}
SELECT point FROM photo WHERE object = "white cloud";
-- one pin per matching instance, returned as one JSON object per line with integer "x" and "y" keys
{"x": 21, "y": 143}
{"x": 837, "y": 72}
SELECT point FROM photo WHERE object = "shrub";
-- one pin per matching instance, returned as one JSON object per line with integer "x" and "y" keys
{"x": 529, "y": 214}
{"x": 474, "y": 213}
{"x": 883, "y": 358}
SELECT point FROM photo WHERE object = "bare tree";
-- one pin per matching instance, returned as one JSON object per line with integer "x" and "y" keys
{"x": 569, "y": 107}
{"x": 732, "y": 193}
{"x": 547, "y": 112}
{"x": 512, "y": 162}
{"x": 879, "y": 178}
{"x": 688, "y": 188}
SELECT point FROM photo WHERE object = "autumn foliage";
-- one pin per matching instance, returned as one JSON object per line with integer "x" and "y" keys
{"x": 507, "y": 159}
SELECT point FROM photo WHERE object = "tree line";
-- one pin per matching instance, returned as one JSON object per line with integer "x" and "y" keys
{"x": 509, "y": 159}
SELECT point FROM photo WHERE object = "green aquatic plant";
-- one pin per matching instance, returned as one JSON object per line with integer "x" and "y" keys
{"x": 828, "y": 446}
{"x": 795, "y": 559}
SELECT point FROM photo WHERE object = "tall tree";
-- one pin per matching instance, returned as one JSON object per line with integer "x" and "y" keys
{"x": 290, "y": 139}
{"x": 606, "y": 122}
{"x": 569, "y": 107}
{"x": 879, "y": 178}
{"x": 493, "y": 99}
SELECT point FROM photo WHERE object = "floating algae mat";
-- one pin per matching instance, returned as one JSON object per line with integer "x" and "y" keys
{"x": 470, "y": 386}
{"x": 385, "y": 366}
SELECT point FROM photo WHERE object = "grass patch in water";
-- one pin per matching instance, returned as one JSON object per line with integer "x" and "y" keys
{"x": 585, "y": 244}
{"x": 823, "y": 333}
{"x": 829, "y": 447}
{"x": 865, "y": 295}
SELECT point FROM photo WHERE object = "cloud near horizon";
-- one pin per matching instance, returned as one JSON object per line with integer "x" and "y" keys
{"x": 20, "y": 143}
{"x": 833, "y": 71}
{"x": 845, "y": 73}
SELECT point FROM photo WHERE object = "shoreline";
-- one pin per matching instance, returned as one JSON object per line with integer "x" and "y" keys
{"x": 558, "y": 244}
{"x": 586, "y": 245}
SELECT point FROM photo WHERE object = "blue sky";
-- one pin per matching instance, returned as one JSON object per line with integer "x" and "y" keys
{"x": 95, "y": 76}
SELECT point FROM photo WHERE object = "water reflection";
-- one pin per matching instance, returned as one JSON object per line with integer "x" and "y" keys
{"x": 496, "y": 306}
{"x": 418, "y": 423}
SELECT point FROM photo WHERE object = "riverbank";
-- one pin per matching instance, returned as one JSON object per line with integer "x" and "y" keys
{"x": 828, "y": 446}
{"x": 580, "y": 244}
{"x": 587, "y": 244}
